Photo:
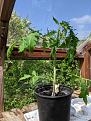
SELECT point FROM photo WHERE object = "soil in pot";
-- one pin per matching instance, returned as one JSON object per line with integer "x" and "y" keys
{"x": 54, "y": 108}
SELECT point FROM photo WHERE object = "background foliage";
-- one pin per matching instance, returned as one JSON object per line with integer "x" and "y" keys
{"x": 21, "y": 78}
{"x": 18, "y": 27}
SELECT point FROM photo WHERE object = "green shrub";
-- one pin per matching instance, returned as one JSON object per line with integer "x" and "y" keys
{"x": 21, "y": 78}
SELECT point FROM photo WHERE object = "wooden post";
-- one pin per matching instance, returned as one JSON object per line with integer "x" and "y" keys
{"x": 85, "y": 50}
{"x": 3, "y": 38}
{"x": 6, "y": 7}
{"x": 1, "y": 84}
{"x": 85, "y": 65}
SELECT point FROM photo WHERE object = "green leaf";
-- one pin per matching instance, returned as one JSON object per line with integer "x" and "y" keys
{"x": 71, "y": 43}
{"x": 10, "y": 49}
{"x": 29, "y": 42}
{"x": 32, "y": 40}
{"x": 84, "y": 91}
{"x": 44, "y": 43}
{"x": 63, "y": 45}
{"x": 34, "y": 73}
{"x": 58, "y": 38}
{"x": 71, "y": 55}
{"x": 65, "y": 25}
{"x": 53, "y": 52}
{"x": 22, "y": 45}
{"x": 35, "y": 77}
{"x": 26, "y": 76}
{"x": 55, "y": 20}
{"x": 51, "y": 33}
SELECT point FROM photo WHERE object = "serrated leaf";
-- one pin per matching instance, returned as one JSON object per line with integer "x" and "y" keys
{"x": 23, "y": 45}
{"x": 32, "y": 40}
{"x": 29, "y": 42}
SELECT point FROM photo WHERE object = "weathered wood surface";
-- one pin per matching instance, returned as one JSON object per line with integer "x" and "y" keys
{"x": 40, "y": 53}
{"x": 6, "y": 7}
{"x": 85, "y": 68}
{"x": 3, "y": 38}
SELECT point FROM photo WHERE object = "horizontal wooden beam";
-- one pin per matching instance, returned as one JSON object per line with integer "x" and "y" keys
{"x": 39, "y": 53}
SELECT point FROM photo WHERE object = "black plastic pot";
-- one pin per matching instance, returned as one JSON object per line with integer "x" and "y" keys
{"x": 54, "y": 108}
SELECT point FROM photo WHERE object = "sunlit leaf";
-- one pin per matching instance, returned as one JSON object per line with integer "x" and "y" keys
{"x": 29, "y": 42}
{"x": 23, "y": 45}
{"x": 10, "y": 49}
{"x": 26, "y": 76}
{"x": 84, "y": 91}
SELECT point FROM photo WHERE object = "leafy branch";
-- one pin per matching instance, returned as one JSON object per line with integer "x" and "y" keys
{"x": 63, "y": 37}
{"x": 85, "y": 84}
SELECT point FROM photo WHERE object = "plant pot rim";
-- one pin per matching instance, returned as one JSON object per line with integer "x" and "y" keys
{"x": 53, "y": 97}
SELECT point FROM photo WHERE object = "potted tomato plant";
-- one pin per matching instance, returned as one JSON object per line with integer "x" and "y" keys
{"x": 54, "y": 100}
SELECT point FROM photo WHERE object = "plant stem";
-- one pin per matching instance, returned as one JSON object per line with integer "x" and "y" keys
{"x": 54, "y": 80}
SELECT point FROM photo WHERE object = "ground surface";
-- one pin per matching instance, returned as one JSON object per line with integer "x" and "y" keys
{"x": 79, "y": 111}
